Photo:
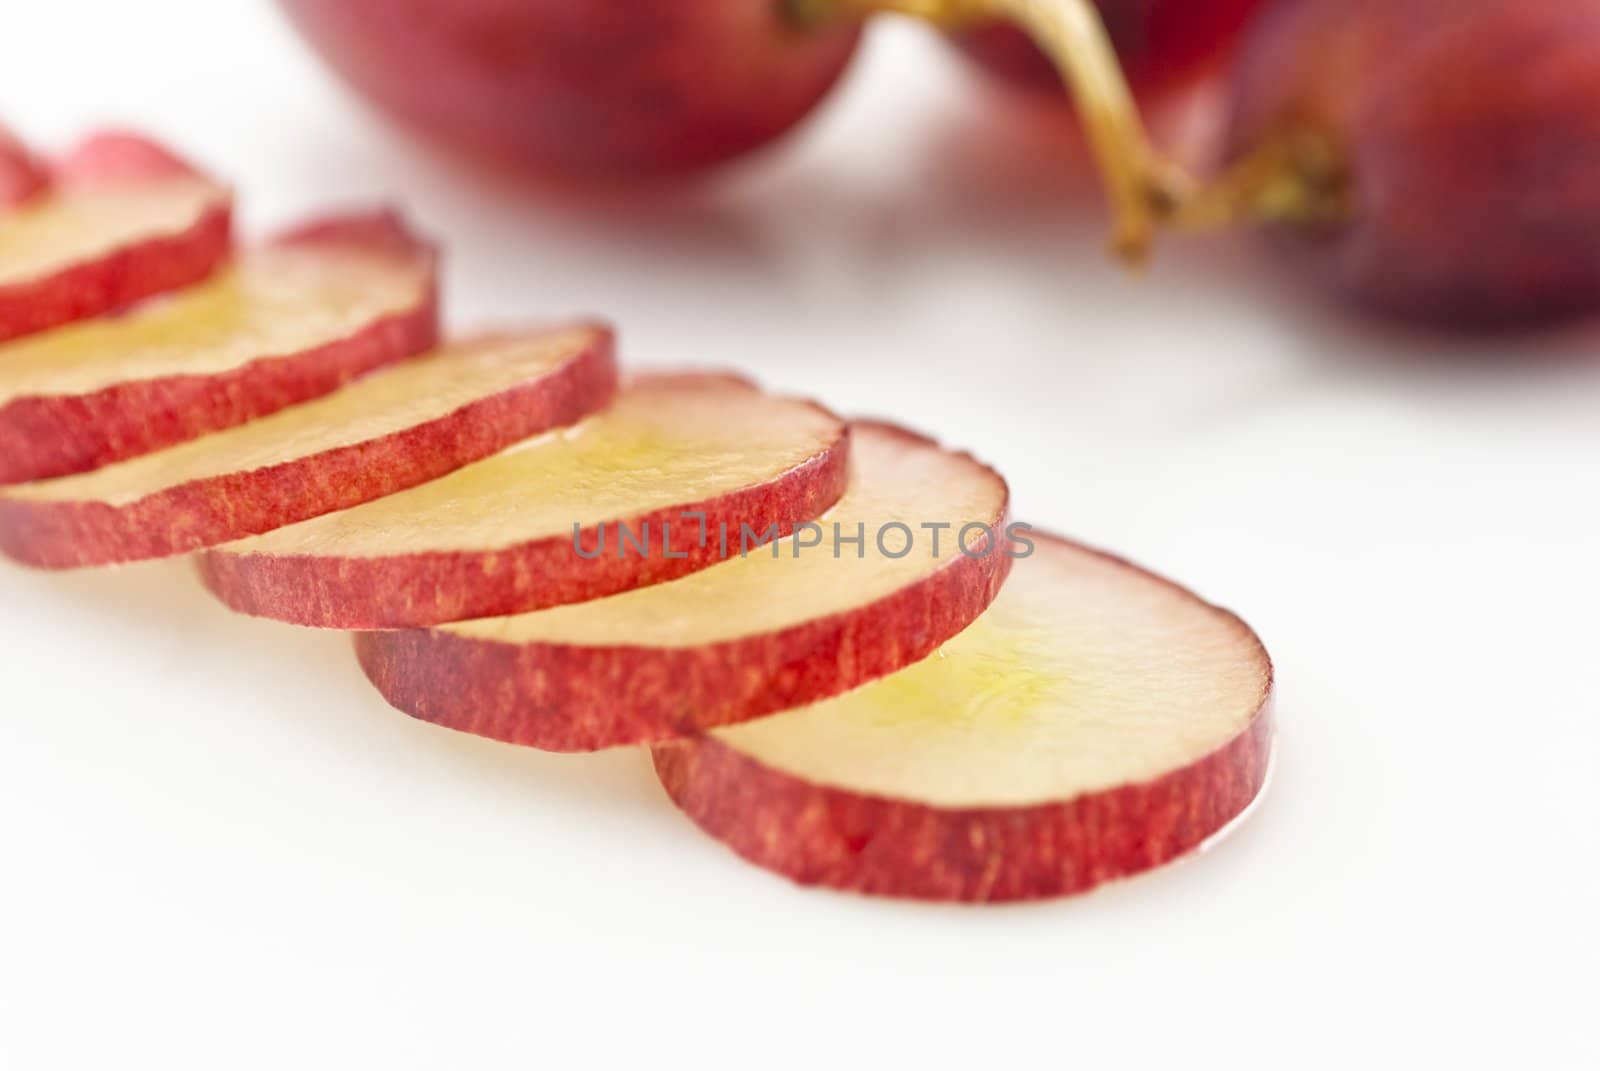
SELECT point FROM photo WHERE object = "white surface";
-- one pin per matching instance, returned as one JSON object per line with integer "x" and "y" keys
{"x": 221, "y": 849}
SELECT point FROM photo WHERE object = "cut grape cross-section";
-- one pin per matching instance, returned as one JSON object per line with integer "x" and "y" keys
{"x": 119, "y": 219}
{"x": 637, "y": 495}
{"x": 876, "y": 583}
{"x": 284, "y": 324}
{"x": 1096, "y": 722}
{"x": 390, "y": 431}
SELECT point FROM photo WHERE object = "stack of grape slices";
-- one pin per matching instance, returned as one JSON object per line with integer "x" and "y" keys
{"x": 852, "y": 666}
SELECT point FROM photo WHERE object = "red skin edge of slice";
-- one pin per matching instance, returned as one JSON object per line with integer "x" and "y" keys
{"x": 822, "y": 836}
{"x": 42, "y": 437}
{"x": 121, "y": 276}
{"x": 564, "y": 697}
{"x": 437, "y": 587}
{"x": 62, "y": 535}
{"x": 22, "y": 177}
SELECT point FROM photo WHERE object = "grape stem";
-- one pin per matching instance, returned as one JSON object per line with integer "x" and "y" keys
{"x": 1145, "y": 189}
{"x": 1295, "y": 176}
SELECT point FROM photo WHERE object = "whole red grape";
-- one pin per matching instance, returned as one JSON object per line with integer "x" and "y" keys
{"x": 1435, "y": 159}
{"x": 624, "y": 89}
{"x": 591, "y": 88}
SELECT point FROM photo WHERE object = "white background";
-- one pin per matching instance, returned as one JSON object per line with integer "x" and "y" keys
{"x": 218, "y": 848}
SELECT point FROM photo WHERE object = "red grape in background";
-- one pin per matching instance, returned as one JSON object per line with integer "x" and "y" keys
{"x": 1438, "y": 160}
{"x": 587, "y": 88}
{"x": 628, "y": 89}
{"x": 1164, "y": 45}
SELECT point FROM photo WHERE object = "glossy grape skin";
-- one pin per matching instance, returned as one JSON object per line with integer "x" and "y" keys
{"x": 1468, "y": 136}
{"x": 585, "y": 88}
{"x": 1164, "y": 45}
